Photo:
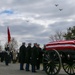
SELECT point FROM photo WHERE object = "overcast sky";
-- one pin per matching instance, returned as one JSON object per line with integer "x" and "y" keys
{"x": 35, "y": 20}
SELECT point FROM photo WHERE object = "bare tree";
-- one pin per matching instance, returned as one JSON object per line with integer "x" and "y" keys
{"x": 13, "y": 45}
{"x": 57, "y": 36}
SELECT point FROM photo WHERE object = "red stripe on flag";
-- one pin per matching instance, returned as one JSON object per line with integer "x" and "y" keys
{"x": 8, "y": 32}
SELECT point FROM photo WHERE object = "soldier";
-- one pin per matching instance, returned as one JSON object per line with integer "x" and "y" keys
{"x": 43, "y": 56}
{"x": 1, "y": 54}
{"x": 28, "y": 56}
{"x": 39, "y": 60}
{"x": 22, "y": 54}
{"x": 34, "y": 55}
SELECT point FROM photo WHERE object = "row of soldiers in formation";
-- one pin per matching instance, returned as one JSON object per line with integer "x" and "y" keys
{"x": 27, "y": 55}
{"x": 30, "y": 55}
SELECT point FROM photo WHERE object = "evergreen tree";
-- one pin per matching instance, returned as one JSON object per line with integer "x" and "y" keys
{"x": 70, "y": 33}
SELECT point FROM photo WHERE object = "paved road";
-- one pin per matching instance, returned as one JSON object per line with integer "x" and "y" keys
{"x": 13, "y": 69}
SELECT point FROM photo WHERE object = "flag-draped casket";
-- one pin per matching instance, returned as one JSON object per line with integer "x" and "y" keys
{"x": 61, "y": 45}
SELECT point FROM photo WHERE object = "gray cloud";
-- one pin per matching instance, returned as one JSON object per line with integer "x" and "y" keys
{"x": 35, "y": 20}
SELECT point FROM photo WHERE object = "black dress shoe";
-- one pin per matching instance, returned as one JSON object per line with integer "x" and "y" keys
{"x": 27, "y": 70}
{"x": 34, "y": 71}
{"x": 21, "y": 69}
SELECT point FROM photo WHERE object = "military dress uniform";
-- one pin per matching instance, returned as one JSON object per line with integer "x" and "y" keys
{"x": 22, "y": 54}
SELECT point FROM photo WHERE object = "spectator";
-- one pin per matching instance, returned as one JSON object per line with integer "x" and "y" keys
{"x": 14, "y": 56}
{"x": 7, "y": 55}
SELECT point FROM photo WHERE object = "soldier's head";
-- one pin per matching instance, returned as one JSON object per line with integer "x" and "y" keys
{"x": 35, "y": 44}
{"x": 29, "y": 44}
{"x": 38, "y": 45}
{"x": 23, "y": 43}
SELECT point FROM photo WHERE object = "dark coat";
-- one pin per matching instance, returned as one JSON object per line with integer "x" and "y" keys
{"x": 34, "y": 55}
{"x": 28, "y": 54}
{"x": 40, "y": 55}
{"x": 22, "y": 54}
{"x": 7, "y": 54}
